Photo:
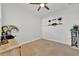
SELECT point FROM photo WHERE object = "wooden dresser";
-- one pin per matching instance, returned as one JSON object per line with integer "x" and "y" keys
{"x": 10, "y": 49}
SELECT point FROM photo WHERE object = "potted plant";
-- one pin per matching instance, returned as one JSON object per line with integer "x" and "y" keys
{"x": 7, "y": 32}
{"x": 75, "y": 27}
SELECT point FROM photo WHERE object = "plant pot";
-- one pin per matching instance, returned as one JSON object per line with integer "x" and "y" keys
{"x": 76, "y": 27}
{"x": 4, "y": 41}
{"x": 10, "y": 37}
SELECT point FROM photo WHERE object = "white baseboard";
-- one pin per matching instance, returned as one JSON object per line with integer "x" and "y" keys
{"x": 49, "y": 40}
{"x": 77, "y": 48}
{"x": 56, "y": 41}
{"x": 21, "y": 43}
{"x": 64, "y": 44}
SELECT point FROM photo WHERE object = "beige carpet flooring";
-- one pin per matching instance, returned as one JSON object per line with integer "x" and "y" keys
{"x": 47, "y": 48}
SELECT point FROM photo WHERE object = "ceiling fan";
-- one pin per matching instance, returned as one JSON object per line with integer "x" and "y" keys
{"x": 41, "y": 5}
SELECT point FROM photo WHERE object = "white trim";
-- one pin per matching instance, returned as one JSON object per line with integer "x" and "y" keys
{"x": 64, "y": 44}
{"x": 29, "y": 41}
{"x": 57, "y": 41}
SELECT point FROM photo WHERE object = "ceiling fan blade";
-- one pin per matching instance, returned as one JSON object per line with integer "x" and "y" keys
{"x": 45, "y": 3}
{"x": 35, "y": 3}
{"x": 39, "y": 8}
{"x": 46, "y": 7}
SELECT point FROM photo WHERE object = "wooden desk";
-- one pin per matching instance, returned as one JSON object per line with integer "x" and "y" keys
{"x": 7, "y": 49}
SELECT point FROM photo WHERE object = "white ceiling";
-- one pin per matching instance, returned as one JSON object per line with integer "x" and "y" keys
{"x": 54, "y": 7}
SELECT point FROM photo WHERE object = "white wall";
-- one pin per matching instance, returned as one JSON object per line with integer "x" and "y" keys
{"x": 0, "y": 19}
{"x": 30, "y": 25}
{"x": 61, "y": 33}
{"x": 25, "y": 20}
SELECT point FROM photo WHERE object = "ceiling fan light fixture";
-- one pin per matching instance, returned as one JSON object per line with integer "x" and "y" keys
{"x": 42, "y": 4}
